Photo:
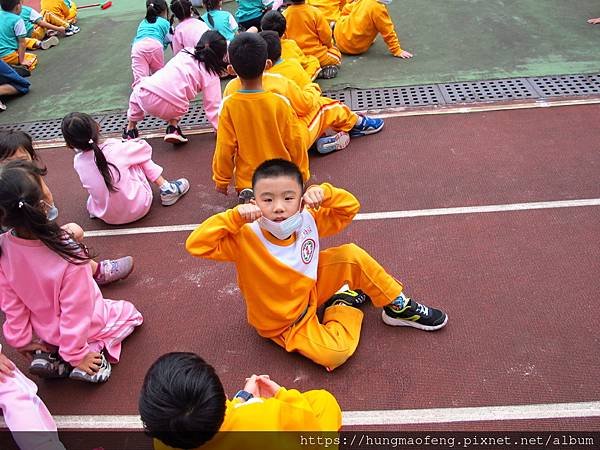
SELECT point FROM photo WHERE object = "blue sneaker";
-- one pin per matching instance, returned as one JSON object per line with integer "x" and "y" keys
{"x": 366, "y": 125}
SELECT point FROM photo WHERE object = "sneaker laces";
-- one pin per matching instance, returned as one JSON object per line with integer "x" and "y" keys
{"x": 421, "y": 309}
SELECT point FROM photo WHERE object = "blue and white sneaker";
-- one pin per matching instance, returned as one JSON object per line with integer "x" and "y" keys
{"x": 328, "y": 144}
{"x": 174, "y": 191}
{"x": 366, "y": 125}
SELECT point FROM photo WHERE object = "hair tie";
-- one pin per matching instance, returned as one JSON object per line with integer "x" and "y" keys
{"x": 151, "y": 5}
{"x": 91, "y": 141}
{"x": 20, "y": 204}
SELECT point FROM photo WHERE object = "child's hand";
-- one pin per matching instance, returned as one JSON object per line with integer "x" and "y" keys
{"x": 252, "y": 386}
{"x": 222, "y": 190}
{"x": 594, "y": 21}
{"x": 27, "y": 63}
{"x": 28, "y": 349}
{"x": 404, "y": 55}
{"x": 313, "y": 197}
{"x": 249, "y": 212}
{"x": 6, "y": 368}
{"x": 267, "y": 387}
{"x": 91, "y": 363}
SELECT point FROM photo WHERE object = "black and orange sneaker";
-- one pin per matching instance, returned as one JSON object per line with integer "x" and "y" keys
{"x": 405, "y": 312}
{"x": 352, "y": 298}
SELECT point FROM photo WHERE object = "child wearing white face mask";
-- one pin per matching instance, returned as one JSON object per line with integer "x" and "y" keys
{"x": 284, "y": 277}
{"x": 358, "y": 26}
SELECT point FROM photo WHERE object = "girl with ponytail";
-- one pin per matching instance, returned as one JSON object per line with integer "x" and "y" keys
{"x": 54, "y": 310}
{"x": 167, "y": 94}
{"x": 189, "y": 30}
{"x": 116, "y": 174}
{"x": 219, "y": 20}
{"x": 153, "y": 36}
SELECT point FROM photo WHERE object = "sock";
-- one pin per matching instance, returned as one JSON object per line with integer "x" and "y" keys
{"x": 400, "y": 302}
{"x": 359, "y": 122}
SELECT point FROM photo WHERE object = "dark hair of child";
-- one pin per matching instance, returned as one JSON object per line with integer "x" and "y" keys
{"x": 154, "y": 8}
{"x": 248, "y": 55}
{"x": 210, "y": 51}
{"x": 211, "y": 5}
{"x": 22, "y": 208}
{"x": 80, "y": 132}
{"x": 274, "y": 21}
{"x": 275, "y": 168}
{"x": 182, "y": 402}
{"x": 182, "y": 9}
{"x": 273, "y": 45}
{"x": 12, "y": 140}
{"x": 296, "y": 2}
{"x": 9, "y": 5}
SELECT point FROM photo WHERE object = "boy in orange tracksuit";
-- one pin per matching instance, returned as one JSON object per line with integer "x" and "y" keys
{"x": 284, "y": 276}
{"x": 183, "y": 406}
{"x": 358, "y": 26}
{"x": 275, "y": 21}
{"x": 254, "y": 124}
{"x": 64, "y": 9}
{"x": 311, "y": 31}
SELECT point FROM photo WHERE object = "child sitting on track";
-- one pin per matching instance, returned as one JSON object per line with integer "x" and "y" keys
{"x": 24, "y": 413}
{"x": 11, "y": 83}
{"x": 311, "y": 31}
{"x": 275, "y": 21}
{"x": 183, "y": 406}
{"x": 219, "y": 20}
{"x": 116, "y": 174}
{"x": 167, "y": 94}
{"x": 63, "y": 9}
{"x": 47, "y": 290}
{"x": 284, "y": 276}
{"x": 17, "y": 145}
{"x": 358, "y": 26}
{"x": 189, "y": 30}
{"x": 152, "y": 38}
{"x": 13, "y": 36}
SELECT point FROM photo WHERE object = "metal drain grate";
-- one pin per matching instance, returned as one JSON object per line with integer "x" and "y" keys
{"x": 490, "y": 90}
{"x": 556, "y": 86}
{"x": 344, "y": 96}
{"x": 364, "y": 99}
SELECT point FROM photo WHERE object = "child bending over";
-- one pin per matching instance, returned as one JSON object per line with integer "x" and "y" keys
{"x": 17, "y": 145}
{"x": 116, "y": 174}
{"x": 167, "y": 94}
{"x": 311, "y": 31}
{"x": 152, "y": 38}
{"x": 284, "y": 277}
{"x": 47, "y": 291}
{"x": 189, "y": 30}
{"x": 358, "y": 26}
{"x": 183, "y": 406}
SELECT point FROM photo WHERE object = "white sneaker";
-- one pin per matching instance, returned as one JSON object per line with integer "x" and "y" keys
{"x": 99, "y": 377}
{"x": 50, "y": 42}
{"x": 174, "y": 192}
{"x": 328, "y": 144}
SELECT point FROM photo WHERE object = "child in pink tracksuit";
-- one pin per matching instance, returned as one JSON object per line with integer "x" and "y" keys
{"x": 167, "y": 94}
{"x": 152, "y": 38}
{"x": 47, "y": 291}
{"x": 24, "y": 412}
{"x": 116, "y": 174}
{"x": 189, "y": 30}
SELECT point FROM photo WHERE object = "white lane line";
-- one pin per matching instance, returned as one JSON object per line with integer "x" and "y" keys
{"x": 384, "y": 417}
{"x": 381, "y": 215}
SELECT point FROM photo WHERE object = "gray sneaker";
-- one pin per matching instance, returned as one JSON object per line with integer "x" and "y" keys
{"x": 50, "y": 42}
{"x": 174, "y": 192}
{"x": 99, "y": 377}
{"x": 49, "y": 365}
{"x": 112, "y": 270}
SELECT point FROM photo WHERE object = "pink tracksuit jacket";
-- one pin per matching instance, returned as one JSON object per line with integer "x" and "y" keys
{"x": 133, "y": 199}
{"x": 44, "y": 295}
{"x": 188, "y": 33}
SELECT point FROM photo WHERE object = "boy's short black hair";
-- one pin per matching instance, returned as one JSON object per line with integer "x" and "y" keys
{"x": 274, "y": 21}
{"x": 296, "y": 2}
{"x": 182, "y": 402}
{"x": 274, "y": 168}
{"x": 248, "y": 55}
{"x": 9, "y": 5}
{"x": 273, "y": 45}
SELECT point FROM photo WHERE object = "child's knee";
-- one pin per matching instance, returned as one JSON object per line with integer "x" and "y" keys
{"x": 333, "y": 358}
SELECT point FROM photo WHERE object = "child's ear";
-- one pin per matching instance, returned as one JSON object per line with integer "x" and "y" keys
{"x": 231, "y": 71}
{"x": 268, "y": 64}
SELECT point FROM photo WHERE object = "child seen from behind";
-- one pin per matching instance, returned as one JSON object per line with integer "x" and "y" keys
{"x": 189, "y": 30}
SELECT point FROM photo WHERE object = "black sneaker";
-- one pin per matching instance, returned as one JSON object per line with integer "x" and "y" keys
{"x": 245, "y": 196}
{"x": 49, "y": 365}
{"x": 22, "y": 70}
{"x": 175, "y": 136}
{"x": 352, "y": 298}
{"x": 413, "y": 314}
{"x": 130, "y": 135}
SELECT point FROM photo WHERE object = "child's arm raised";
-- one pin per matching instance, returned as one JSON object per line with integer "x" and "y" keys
{"x": 334, "y": 211}
{"x": 215, "y": 238}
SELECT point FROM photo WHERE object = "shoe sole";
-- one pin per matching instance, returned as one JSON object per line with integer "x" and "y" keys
{"x": 409, "y": 323}
{"x": 43, "y": 372}
{"x": 175, "y": 139}
{"x": 119, "y": 279}
{"x": 50, "y": 42}
{"x": 78, "y": 377}
{"x": 341, "y": 142}
{"x": 366, "y": 133}
{"x": 175, "y": 200}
